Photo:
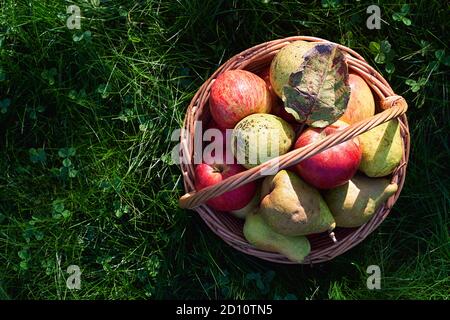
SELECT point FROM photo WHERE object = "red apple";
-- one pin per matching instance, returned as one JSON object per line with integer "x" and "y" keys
{"x": 332, "y": 167}
{"x": 361, "y": 104}
{"x": 208, "y": 175}
{"x": 236, "y": 94}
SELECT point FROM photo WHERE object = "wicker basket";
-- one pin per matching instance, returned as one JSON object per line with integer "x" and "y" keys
{"x": 227, "y": 226}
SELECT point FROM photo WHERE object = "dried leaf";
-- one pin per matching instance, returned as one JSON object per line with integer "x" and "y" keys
{"x": 318, "y": 92}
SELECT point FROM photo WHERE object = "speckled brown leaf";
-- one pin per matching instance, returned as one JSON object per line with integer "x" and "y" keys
{"x": 318, "y": 92}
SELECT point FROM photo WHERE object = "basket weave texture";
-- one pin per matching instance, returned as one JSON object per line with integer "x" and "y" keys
{"x": 227, "y": 226}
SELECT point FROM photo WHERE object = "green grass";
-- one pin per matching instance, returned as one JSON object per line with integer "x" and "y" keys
{"x": 114, "y": 91}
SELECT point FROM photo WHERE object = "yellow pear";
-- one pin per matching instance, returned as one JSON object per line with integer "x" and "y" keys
{"x": 382, "y": 149}
{"x": 251, "y": 207}
{"x": 292, "y": 207}
{"x": 259, "y": 234}
{"x": 354, "y": 203}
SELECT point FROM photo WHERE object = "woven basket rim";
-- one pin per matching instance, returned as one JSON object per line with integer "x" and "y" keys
{"x": 229, "y": 228}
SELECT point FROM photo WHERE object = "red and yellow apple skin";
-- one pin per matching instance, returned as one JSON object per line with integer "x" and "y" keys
{"x": 361, "y": 104}
{"x": 210, "y": 174}
{"x": 236, "y": 94}
{"x": 332, "y": 167}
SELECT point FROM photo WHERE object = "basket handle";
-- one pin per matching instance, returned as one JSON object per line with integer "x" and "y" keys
{"x": 393, "y": 106}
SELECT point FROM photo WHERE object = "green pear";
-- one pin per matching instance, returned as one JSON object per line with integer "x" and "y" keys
{"x": 259, "y": 234}
{"x": 382, "y": 149}
{"x": 293, "y": 208}
{"x": 354, "y": 203}
{"x": 251, "y": 207}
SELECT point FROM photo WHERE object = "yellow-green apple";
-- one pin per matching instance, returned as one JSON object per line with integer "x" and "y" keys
{"x": 259, "y": 138}
{"x": 361, "y": 104}
{"x": 333, "y": 166}
{"x": 210, "y": 174}
{"x": 236, "y": 94}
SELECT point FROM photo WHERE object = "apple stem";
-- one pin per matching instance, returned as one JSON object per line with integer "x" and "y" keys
{"x": 332, "y": 236}
{"x": 219, "y": 168}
